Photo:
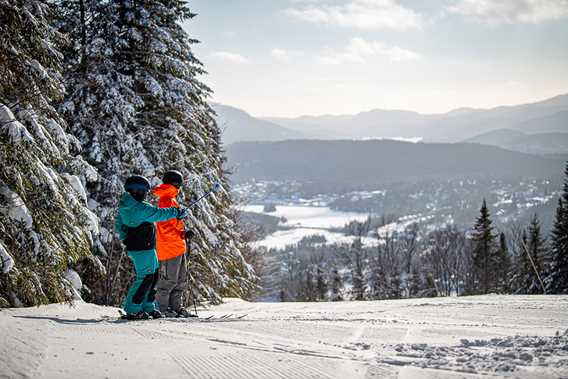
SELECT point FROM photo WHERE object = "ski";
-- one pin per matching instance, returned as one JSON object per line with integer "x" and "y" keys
{"x": 222, "y": 318}
{"x": 211, "y": 318}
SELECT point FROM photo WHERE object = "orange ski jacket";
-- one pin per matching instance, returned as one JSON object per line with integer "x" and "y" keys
{"x": 170, "y": 235}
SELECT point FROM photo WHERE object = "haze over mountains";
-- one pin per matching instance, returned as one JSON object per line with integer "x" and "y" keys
{"x": 238, "y": 126}
{"x": 529, "y": 140}
{"x": 546, "y": 116}
{"x": 464, "y": 124}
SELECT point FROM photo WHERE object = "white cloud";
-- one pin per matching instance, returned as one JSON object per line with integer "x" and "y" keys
{"x": 280, "y": 55}
{"x": 230, "y": 57}
{"x": 359, "y": 50}
{"x": 511, "y": 11}
{"x": 361, "y": 14}
{"x": 397, "y": 54}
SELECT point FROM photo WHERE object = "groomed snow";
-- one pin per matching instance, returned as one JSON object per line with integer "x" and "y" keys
{"x": 466, "y": 337}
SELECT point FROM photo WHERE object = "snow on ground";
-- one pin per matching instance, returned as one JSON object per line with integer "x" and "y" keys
{"x": 466, "y": 337}
{"x": 310, "y": 217}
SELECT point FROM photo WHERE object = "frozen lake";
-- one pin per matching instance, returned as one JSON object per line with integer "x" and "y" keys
{"x": 309, "y": 217}
{"x": 305, "y": 221}
{"x": 282, "y": 238}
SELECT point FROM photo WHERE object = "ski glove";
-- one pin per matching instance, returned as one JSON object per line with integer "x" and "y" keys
{"x": 182, "y": 213}
{"x": 189, "y": 234}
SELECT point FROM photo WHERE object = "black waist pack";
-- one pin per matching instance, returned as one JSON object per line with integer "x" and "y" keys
{"x": 143, "y": 237}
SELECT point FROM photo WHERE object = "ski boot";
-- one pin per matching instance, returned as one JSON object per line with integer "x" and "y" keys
{"x": 136, "y": 316}
{"x": 184, "y": 313}
{"x": 170, "y": 313}
{"x": 156, "y": 314}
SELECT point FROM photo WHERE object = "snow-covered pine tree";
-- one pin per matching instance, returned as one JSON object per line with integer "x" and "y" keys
{"x": 484, "y": 250}
{"x": 533, "y": 258}
{"x": 557, "y": 280}
{"x": 138, "y": 106}
{"x": 177, "y": 130}
{"x": 46, "y": 228}
{"x": 100, "y": 106}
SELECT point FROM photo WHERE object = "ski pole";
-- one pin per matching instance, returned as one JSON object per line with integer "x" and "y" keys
{"x": 188, "y": 240}
{"x": 216, "y": 188}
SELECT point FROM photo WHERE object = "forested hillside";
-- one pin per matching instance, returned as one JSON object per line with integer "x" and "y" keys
{"x": 375, "y": 162}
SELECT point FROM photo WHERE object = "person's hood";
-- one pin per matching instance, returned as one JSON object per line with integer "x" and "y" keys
{"x": 127, "y": 201}
{"x": 165, "y": 190}
{"x": 129, "y": 209}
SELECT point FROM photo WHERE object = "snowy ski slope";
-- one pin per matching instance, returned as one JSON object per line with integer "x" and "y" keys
{"x": 466, "y": 337}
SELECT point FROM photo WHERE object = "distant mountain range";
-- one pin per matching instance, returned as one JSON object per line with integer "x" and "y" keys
{"x": 372, "y": 162}
{"x": 544, "y": 117}
{"x": 237, "y": 126}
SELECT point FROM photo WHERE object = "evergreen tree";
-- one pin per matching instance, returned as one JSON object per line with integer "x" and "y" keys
{"x": 357, "y": 269}
{"x": 484, "y": 250}
{"x": 375, "y": 278}
{"x": 532, "y": 268}
{"x": 557, "y": 280}
{"x": 321, "y": 284}
{"x": 135, "y": 102}
{"x": 336, "y": 285}
{"x": 309, "y": 291}
{"x": 46, "y": 228}
{"x": 415, "y": 282}
{"x": 520, "y": 262}
{"x": 100, "y": 106}
{"x": 503, "y": 265}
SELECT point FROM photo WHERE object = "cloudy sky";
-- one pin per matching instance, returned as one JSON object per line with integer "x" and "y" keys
{"x": 297, "y": 57}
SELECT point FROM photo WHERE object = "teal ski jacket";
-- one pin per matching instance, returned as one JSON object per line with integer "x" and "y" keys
{"x": 135, "y": 222}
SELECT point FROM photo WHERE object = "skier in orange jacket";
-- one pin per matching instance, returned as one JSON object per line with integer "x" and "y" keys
{"x": 171, "y": 248}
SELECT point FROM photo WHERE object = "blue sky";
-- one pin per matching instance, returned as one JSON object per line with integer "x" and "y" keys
{"x": 297, "y": 57}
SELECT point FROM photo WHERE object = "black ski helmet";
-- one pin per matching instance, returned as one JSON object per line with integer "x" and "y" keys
{"x": 173, "y": 177}
{"x": 137, "y": 186}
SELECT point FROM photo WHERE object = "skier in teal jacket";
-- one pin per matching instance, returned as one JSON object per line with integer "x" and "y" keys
{"x": 135, "y": 226}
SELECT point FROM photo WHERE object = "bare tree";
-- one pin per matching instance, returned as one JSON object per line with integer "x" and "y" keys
{"x": 447, "y": 257}
{"x": 408, "y": 248}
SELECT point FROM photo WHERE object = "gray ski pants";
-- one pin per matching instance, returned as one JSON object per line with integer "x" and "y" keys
{"x": 173, "y": 281}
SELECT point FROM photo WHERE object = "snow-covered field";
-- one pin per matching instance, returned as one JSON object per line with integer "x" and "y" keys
{"x": 283, "y": 238}
{"x": 310, "y": 217}
{"x": 304, "y": 221}
{"x": 466, "y": 337}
